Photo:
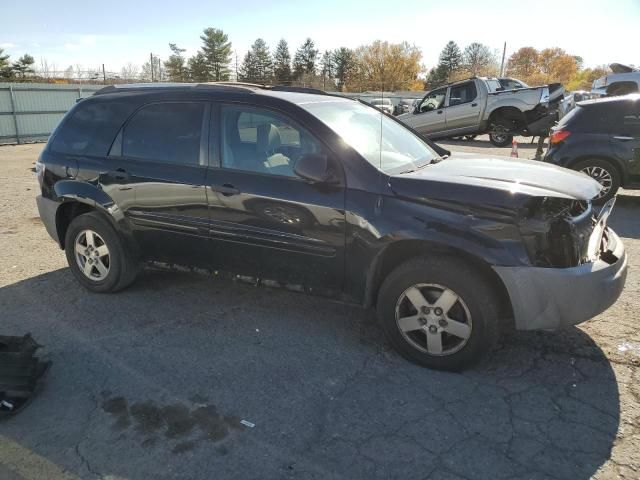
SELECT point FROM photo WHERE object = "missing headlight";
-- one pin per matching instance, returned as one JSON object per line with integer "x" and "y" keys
{"x": 556, "y": 232}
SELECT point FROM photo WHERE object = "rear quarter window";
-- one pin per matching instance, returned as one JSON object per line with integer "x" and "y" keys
{"x": 91, "y": 127}
{"x": 592, "y": 119}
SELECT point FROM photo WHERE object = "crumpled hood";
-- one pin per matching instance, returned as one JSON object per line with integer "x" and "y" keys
{"x": 509, "y": 176}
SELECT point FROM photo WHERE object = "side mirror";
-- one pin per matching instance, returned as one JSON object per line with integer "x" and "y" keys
{"x": 314, "y": 167}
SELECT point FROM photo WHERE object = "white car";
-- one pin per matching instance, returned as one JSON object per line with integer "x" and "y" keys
{"x": 383, "y": 104}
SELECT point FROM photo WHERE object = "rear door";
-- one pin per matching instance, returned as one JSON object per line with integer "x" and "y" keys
{"x": 265, "y": 220}
{"x": 625, "y": 137}
{"x": 463, "y": 109}
{"x": 157, "y": 171}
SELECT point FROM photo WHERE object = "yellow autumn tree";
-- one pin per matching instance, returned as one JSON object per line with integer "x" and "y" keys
{"x": 386, "y": 66}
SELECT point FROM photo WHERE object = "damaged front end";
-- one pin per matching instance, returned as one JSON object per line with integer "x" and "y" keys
{"x": 557, "y": 232}
{"x": 578, "y": 265}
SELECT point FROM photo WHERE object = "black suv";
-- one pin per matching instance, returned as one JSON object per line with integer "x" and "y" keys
{"x": 602, "y": 139}
{"x": 330, "y": 196}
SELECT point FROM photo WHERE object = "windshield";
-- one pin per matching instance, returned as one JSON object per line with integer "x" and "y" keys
{"x": 360, "y": 127}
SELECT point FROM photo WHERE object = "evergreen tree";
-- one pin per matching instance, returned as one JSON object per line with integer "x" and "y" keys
{"x": 176, "y": 65}
{"x": 450, "y": 60}
{"x": 199, "y": 68}
{"x": 5, "y": 66}
{"x": 24, "y": 65}
{"x": 304, "y": 61}
{"x": 257, "y": 65}
{"x": 326, "y": 64}
{"x": 343, "y": 65}
{"x": 216, "y": 50}
{"x": 248, "y": 71}
{"x": 282, "y": 63}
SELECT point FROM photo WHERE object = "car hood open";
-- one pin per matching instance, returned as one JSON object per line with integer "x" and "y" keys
{"x": 509, "y": 176}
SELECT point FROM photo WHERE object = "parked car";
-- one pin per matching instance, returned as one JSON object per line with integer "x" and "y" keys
{"x": 383, "y": 104}
{"x": 327, "y": 193}
{"x": 622, "y": 81}
{"x": 602, "y": 139}
{"x": 407, "y": 105}
{"x": 480, "y": 105}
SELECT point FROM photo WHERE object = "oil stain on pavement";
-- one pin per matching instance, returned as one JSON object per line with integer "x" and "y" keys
{"x": 175, "y": 422}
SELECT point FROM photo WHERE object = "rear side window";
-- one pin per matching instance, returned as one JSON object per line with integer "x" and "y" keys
{"x": 606, "y": 118}
{"x": 91, "y": 127}
{"x": 464, "y": 93}
{"x": 165, "y": 132}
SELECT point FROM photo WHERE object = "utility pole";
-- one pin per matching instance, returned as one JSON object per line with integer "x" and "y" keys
{"x": 236, "y": 65}
{"x": 104, "y": 75}
{"x": 151, "y": 64}
{"x": 504, "y": 51}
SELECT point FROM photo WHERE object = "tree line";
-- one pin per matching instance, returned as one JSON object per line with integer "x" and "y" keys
{"x": 379, "y": 65}
{"x": 368, "y": 67}
{"x": 534, "y": 67}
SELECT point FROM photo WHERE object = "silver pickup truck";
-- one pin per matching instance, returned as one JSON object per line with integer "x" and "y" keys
{"x": 482, "y": 105}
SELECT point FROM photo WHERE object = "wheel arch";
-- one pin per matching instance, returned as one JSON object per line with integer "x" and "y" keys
{"x": 617, "y": 164}
{"x": 508, "y": 112}
{"x": 78, "y": 198}
{"x": 399, "y": 252}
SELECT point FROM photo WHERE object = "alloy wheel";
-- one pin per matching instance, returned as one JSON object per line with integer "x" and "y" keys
{"x": 92, "y": 255}
{"x": 434, "y": 319}
{"x": 602, "y": 176}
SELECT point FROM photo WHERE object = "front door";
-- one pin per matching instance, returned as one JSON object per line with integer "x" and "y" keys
{"x": 429, "y": 117}
{"x": 463, "y": 111}
{"x": 265, "y": 220}
{"x": 157, "y": 172}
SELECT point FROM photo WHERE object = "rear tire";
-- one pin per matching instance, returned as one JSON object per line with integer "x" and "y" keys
{"x": 97, "y": 256}
{"x": 605, "y": 173}
{"x": 451, "y": 339}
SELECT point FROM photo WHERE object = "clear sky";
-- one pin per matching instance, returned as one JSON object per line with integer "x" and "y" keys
{"x": 89, "y": 33}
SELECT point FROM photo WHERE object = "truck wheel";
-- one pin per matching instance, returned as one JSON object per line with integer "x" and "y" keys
{"x": 438, "y": 312}
{"x": 605, "y": 173}
{"x": 500, "y": 139}
{"x": 96, "y": 255}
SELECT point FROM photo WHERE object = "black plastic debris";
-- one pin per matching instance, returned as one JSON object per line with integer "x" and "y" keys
{"x": 20, "y": 373}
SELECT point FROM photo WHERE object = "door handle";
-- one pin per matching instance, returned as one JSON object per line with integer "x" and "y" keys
{"x": 474, "y": 104}
{"x": 119, "y": 174}
{"x": 226, "y": 189}
{"x": 624, "y": 139}
{"x": 439, "y": 112}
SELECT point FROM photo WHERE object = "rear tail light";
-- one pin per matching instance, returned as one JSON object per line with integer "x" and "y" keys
{"x": 558, "y": 136}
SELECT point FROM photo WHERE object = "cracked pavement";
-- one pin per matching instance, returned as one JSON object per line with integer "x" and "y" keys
{"x": 153, "y": 382}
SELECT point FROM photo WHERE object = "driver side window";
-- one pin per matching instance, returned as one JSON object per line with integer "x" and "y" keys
{"x": 263, "y": 141}
{"x": 433, "y": 101}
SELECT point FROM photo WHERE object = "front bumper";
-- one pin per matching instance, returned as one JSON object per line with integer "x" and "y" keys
{"x": 47, "y": 209}
{"x": 550, "y": 298}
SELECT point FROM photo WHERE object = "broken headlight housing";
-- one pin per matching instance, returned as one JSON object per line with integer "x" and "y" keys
{"x": 556, "y": 231}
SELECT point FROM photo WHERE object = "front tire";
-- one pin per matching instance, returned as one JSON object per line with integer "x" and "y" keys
{"x": 96, "y": 255}
{"x": 439, "y": 313}
{"x": 500, "y": 139}
{"x": 605, "y": 173}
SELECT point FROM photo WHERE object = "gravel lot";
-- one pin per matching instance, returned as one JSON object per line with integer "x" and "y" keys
{"x": 153, "y": 382}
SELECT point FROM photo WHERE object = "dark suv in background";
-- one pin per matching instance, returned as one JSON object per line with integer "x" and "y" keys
{"x": 331, "y": 196}
{"x": 602, "y": 139}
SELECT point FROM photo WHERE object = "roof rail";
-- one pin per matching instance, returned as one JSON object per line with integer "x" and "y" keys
{"x": 167, "y": 85}
{"x": 220, "y": 85}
